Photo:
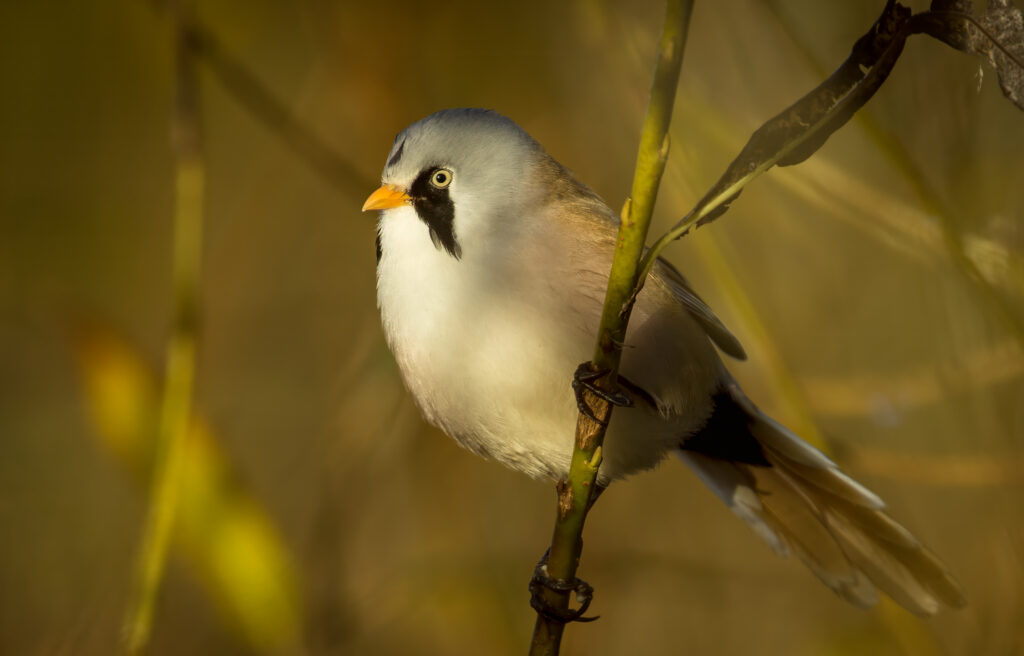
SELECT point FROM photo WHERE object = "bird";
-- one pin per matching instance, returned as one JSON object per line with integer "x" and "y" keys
{"x": 492, "y": 264}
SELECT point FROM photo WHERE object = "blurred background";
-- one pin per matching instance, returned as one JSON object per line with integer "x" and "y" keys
{"x": 878, "y": 289}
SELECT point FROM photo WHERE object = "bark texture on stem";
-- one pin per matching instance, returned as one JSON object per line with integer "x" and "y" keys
{"x": 574, "y": 494}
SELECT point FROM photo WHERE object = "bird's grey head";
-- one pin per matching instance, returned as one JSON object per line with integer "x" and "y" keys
{"x": 463, "y": 171}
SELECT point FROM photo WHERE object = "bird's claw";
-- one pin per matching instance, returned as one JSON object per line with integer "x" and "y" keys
{"x": 584, "y": 595}
{"x": 584, "y": 379}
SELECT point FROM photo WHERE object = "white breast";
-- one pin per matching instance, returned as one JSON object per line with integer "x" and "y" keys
{"x": 487, "y": 345}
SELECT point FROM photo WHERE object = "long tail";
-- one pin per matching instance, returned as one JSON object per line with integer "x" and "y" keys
{"x": 798, "y": 500}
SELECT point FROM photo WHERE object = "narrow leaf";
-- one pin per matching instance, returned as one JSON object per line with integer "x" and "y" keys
{"x": 802, "y": 128}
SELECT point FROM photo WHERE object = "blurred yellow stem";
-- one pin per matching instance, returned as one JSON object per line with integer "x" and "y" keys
{"x": 176, "y": 405}
{"x": 792, "y": 398}
{"x": 931, "y": 201}
{"x": 220, "y": 529}
{"x": 164, "y": 495}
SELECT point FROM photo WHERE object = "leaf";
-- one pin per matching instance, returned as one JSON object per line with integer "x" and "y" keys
{"x": 802, "y": 128}
{"x": 222, "y": 531}
{"x": 997, "y": 35}
{"x": 812, "y": 119}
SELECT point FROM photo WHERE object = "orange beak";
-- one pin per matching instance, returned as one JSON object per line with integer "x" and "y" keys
{"x": 385, "y": 198}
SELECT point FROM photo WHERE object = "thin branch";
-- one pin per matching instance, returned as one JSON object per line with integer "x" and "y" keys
{"x": 957, "y": 470}
{"x": 261, "y": 103}
{"x": 176, "y": 404}
{"x": 802, "y": 128}
{"x": 574, "y": 494}
{"x": 908, "y": 229}
{"x": 893, "y": 394}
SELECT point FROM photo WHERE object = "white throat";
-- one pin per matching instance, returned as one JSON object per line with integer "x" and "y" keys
{"x": 477, "y": 338}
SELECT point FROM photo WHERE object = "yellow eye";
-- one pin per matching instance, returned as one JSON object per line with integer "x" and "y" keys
{"x": 441, "y": 178}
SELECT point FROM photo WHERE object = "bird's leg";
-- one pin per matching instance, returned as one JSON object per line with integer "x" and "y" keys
{"x": 540, "y": 580}
{"x": 638, "y": 392}
{"x": 584, "y": 379}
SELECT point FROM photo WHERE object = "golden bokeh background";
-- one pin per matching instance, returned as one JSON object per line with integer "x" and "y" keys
{"x": 878, "y": 288}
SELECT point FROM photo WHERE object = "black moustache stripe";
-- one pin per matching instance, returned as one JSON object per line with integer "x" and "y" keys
{"x": 436, "y": 208}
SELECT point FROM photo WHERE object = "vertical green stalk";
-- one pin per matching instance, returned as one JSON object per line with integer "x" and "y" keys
{"x": 575, "y": 493}
{"x": 176, "y": 404}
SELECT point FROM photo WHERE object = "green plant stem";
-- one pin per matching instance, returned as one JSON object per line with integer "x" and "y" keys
{"x": 574, "y": 494}
{"x": 176, "y": 404}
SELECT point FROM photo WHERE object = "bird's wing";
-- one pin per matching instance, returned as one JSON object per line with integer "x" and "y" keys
{"x": 580, "y": 205}
{"x": 700, "y": 311}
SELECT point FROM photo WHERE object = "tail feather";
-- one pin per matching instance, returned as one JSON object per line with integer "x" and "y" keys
{"x": 828, "y": 479}
{"x": 768, "y": 432}
{"x": 829, "y": 563}
{"x": 798, "y": 500}
{"x": 734, "y": 486}
{"x": 883, "y": 566}
{"x": 927, "y": 568}
{"x": 787, "y": 510}
{"x": 784, "y": 520}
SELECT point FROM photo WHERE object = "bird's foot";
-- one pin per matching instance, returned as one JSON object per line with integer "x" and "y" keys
{"x": 540, "y": 580}
{"x": 585, "y": 379}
